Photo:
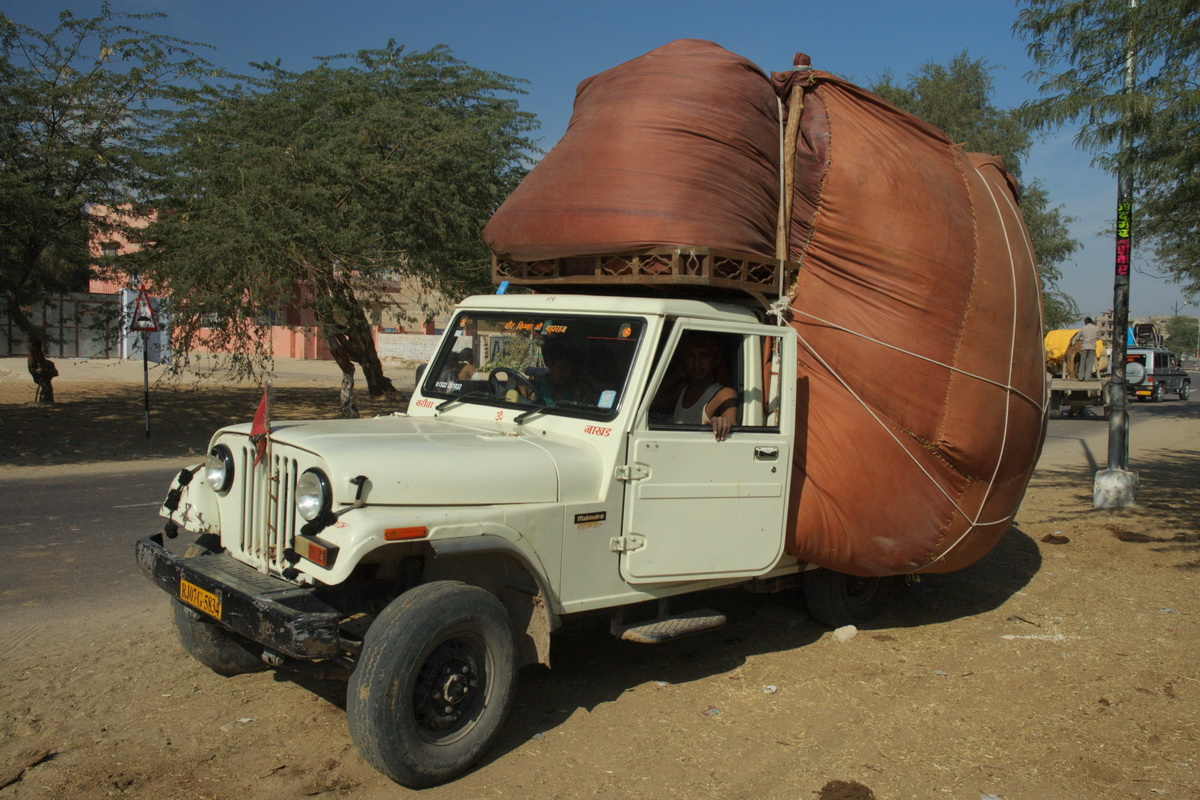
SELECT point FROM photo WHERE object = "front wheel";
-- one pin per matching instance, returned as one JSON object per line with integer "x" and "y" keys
{"x": 836, "y": 599}
{"x": 434, "y": 683}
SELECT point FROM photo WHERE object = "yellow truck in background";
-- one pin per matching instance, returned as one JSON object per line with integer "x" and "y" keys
{"x": 1070, "y": 393}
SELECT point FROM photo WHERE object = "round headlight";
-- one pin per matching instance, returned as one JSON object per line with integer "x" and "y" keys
{"x": 218, "y": 468}
{"x": 313, "y": 494}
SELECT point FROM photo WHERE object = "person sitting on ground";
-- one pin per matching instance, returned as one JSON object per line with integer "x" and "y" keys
{"x": 705, "y": 399}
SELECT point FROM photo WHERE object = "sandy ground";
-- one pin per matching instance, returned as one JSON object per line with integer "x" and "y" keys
{"x": 1062, "y": 665}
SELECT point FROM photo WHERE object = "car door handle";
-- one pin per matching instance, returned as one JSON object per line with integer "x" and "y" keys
{"x": 766, "y": 453}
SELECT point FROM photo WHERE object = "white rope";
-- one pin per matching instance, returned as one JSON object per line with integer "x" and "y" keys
{"x": 901, "y": 350}
{"x": 1012, "y": 349}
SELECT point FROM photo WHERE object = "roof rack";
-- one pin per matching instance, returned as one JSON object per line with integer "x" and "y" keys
{"x": 671, "y": 270}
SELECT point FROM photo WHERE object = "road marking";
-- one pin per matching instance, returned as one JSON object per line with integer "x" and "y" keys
{"x": 138, "y": 505}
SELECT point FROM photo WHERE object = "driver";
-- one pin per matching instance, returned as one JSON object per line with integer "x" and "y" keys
{"x": 565, "y": 379}
{"x": 704, "y": 399}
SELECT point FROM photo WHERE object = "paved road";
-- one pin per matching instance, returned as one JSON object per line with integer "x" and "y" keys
{"x": 1084, "y": 440}
{"x": 68, "y": 538}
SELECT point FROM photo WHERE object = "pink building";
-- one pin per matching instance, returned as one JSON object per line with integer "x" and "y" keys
{"x": 295, "y": 335}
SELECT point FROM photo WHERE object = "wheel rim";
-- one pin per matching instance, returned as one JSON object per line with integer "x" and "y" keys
{"x": 860, "y": 591}
{"x": 451, "y": 688}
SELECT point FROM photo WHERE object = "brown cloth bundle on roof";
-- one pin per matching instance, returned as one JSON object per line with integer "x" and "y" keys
{"x": 677, "y": 147}
{"x": 918, "y": 306}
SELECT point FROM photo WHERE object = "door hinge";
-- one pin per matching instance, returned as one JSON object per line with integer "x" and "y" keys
{"x": 633, "y": 472}
{"x": 627, "y": 544}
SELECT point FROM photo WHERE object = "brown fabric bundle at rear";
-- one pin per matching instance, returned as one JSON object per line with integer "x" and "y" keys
{"x": 918, "y": 305}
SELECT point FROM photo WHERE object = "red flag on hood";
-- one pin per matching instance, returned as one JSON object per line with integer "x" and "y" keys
{"x": 260, "y": 429}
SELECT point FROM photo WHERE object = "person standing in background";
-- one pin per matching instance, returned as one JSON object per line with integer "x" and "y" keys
{"x": 1087, "y": 345}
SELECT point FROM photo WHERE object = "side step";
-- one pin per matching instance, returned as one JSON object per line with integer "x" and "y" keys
{"x": 666, "y": 626}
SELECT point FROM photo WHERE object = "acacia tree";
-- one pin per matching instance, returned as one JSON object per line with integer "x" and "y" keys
{"x": 79, "y": 107}
{"x": 958, "y": 99}
{"x": 1080, "y": 49}
{"x": 316, "y": 188}
{"x": 1183, "y": 335}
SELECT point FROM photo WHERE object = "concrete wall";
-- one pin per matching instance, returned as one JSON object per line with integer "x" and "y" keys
{"x": 417, "y": 347}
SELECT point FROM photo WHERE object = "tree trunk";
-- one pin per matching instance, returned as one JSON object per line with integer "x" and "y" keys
{"x": 346, "y": 405}
{"x": 356, "y": 336}
{"x": 367, "y": 356}
{"x": 344, "y": 324}
{"x": 43, "y": 371}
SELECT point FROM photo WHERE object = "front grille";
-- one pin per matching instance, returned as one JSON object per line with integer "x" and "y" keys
{"x": 267, "y": 515}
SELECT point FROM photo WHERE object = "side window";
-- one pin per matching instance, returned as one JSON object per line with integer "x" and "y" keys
{"x": 714, "y": 373}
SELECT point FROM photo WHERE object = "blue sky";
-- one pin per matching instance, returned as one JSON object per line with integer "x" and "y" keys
{"x": 555, "y": 45}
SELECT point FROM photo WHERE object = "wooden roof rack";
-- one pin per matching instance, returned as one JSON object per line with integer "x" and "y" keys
{"x": 661, "y": 270}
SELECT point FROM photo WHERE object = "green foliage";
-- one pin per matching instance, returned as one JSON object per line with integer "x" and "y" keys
{"x": 958, "y": 99}
{"x": 1080, "y": 49}
{"x": 319, "y": 187}
{"x": 80, "y": 107}
{"x": 1181, "y": 335}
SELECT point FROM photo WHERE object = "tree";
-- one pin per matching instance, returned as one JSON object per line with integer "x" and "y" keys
{"x": 316, "y": 188}
{"x": 80, "y": 106}
{"x": 958, "y": 99}
{"x": 1080, "y": 50}
{"x": 1182, "y": 335}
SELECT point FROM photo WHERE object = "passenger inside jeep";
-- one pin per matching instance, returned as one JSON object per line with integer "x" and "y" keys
{"x": 705, "y": 398}
{"x": 567, "y": 376}
{"x": 699, "y": 388}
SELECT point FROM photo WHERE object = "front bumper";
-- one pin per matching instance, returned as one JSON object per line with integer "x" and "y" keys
{"x": 279, "y": 615}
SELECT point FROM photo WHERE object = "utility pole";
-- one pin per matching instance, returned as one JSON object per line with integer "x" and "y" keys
{"x": 1116, "y": 486}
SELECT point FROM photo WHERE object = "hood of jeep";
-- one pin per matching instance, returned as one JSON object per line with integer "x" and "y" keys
{"x": 416, "y": 461}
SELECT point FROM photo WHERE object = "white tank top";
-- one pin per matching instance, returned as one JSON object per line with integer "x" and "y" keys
{"x": 694, "y": 414}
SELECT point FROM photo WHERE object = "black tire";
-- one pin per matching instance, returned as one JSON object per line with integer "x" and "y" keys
{"x": 1156, "y": 396}
{"x": 836, "y": 599}
{"x": 222, "y": 651}
{"x": 1185, "y": 390}
{"x": 434, "y": 683}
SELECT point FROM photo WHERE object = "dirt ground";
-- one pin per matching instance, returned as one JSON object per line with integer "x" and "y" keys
{"x": 1065, "y": 664}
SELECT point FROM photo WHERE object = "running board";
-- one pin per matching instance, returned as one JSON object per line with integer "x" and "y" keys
{"x": 667, "y": 626}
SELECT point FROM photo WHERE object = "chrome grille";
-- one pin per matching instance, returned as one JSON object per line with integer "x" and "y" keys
{"x": 268, "y": 508}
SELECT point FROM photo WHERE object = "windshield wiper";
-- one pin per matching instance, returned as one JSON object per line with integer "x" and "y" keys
{"x": 462, "y": 397}
{"x": 536, "y": 410}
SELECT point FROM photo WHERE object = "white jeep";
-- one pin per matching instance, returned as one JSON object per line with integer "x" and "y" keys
{"x": 429, "y": 554}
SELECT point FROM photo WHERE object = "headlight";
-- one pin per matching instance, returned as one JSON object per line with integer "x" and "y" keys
{"x": 313, "y": 494}
{"x": 218, "y": 468}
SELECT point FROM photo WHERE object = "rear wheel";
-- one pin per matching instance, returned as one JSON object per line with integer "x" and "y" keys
{"x": 1185, "y": 390}
{"x": 836, "y": 599}
{"x": 434, "y": 683}
{"x": 1156, "y": 396}
{"x": 222, "y": 651}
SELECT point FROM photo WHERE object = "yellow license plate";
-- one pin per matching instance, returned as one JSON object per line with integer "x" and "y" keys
{"x": 206, "y": 601}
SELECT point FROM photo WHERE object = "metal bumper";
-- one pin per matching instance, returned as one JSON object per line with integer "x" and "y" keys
{"x": 270, "y": 611}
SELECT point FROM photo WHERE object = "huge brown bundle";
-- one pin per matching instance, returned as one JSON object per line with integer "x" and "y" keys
{"x": 918, "y": 304}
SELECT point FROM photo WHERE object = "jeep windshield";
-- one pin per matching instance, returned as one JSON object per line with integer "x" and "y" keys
{"x": 570, "y": 365}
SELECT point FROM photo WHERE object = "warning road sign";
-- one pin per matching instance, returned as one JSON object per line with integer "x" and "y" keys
{"x": 143, "y": 314}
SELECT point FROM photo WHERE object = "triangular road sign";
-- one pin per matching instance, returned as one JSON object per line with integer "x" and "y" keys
{"x": 143, "y": 314}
